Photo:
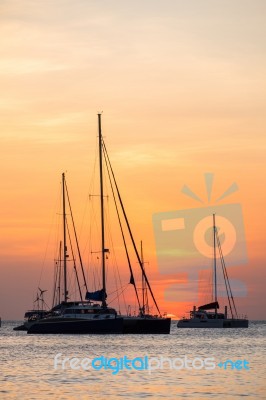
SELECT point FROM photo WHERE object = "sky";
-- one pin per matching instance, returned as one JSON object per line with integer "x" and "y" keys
{"x": 182, "y": 89}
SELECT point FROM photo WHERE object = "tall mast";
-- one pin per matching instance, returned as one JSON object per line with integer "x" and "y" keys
{"x": 60, "y": 270}
{"x": 214, "y": 263}
{"x": 64, "y": 239}
{"x": 144, "y": 294}
{"x": 102, "y": 211}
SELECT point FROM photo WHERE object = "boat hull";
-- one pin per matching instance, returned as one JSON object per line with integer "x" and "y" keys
{"x": 77, "y": 326}
{"x": 126, "y": 325}
{"x": 236, "y": 323}
{"x": 139, "y": 325}
{"x": 20, "y": 328}
{"x": 218, "y": 323}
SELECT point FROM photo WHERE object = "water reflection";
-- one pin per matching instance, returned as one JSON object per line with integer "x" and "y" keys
{"x": 27, "y": 365}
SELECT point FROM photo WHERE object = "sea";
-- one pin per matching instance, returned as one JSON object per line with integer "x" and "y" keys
{"x": 188, "y": 363}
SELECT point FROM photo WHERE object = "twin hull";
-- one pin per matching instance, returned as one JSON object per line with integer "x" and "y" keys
{"x": 218, "y": 323}
{"x": 119, "y": 325}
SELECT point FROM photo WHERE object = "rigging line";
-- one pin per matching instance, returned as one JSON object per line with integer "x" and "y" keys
{"x": 56, "y": 275}
{"x": 228, "y": 281}
{"x": 214, "y": 259}
{"x": 129, "y": 230}
{"x": 117, "y": 290}
{"x": 227, "y": 290}
{"x": 76, "y": 238}
{"x": 74, "y": 260}
{"x": 115, "y": 273}
{"x": 145, "y": 297}
{"x": 110, "y": 302}
{"x": 60, "y": 274}
{"x": 57, "y": 226}
{"x": 115, "y": 264}
{"x": 95, "y": 272}
{"x": 132, "y": 280}
{"x": 73, "y": 285}
{"x": 58, "y": 256}
{"x": 94, "y": 279}
{"x": 92, "y": 214}
{"x": 228, "y": 294}
{"x": 76, "y": 272}
{"x": 57, "y": 285}
{"x": 55, "y": 282}
{"x": 225, "y": 280}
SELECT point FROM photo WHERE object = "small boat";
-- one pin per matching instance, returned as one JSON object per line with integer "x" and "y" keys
{"x": 207, "y": 315}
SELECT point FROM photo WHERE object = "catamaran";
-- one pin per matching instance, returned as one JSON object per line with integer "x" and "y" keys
{"x": 207, "y": 315}
{"x": 72, "y": 317}
{"x": 92, "y": 314}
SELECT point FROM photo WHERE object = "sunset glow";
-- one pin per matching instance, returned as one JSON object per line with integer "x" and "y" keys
{"x": 182, "y": 90}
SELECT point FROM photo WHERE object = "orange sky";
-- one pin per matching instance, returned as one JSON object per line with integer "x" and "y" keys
{"x": 182, "y": 87}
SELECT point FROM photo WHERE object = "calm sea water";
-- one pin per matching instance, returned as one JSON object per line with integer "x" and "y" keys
{"x": 28, "y": 370}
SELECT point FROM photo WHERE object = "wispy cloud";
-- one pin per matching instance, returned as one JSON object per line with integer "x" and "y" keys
{"x": 18, "y": 66}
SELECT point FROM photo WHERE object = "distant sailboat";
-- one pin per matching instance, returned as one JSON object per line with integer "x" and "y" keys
{"x": 207, "y": 315}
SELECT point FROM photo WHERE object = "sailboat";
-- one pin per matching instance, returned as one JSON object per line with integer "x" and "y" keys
{"x": 207, "y": 315}
{"x": 144, "y": 322}
{"x": 93, "y": 315}
{"x": 80, "y": 316}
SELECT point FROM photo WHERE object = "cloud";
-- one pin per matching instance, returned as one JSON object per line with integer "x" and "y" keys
{"x": 17, "y": 66}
